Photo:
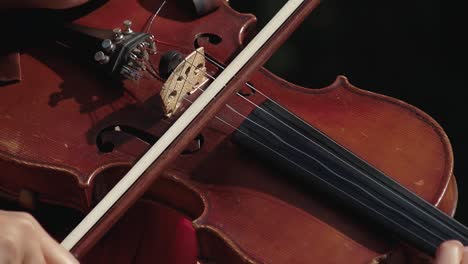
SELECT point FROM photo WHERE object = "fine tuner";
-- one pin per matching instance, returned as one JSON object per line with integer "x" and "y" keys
{"x": 127, "y": 53}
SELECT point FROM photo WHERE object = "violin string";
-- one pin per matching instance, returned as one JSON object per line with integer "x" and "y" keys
{"x": 323, "y": 165}
{"x": 311, "y": 157}
{"x": 254, "y": 89}
{"x": 283, "y": 18}
{"x": 153, "y": 17}
{"x": 297, "y": 132}
{"x": 316, "y": 160}
{"x": 328, "y": 183}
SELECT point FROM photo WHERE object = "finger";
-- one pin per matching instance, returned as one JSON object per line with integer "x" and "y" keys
{"x": 33, "y": 254}
{"x": 54, "y": 253}
{"x": 465, "y": 256}
{"x": 8, "y": 251}
{"x": 11, "y": 244}
{"x": 449, "y": 252}
{"x": 52, "y": 4}
{"x": 57, "y": 4}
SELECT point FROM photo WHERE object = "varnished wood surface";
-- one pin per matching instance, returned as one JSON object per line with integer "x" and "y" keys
{"x": 226, "y": 193}
{"x": 200, "y": 183}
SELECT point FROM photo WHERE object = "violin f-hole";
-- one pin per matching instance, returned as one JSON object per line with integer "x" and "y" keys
{"x": 205, "y": 38}
{"x": 106, "y": 146}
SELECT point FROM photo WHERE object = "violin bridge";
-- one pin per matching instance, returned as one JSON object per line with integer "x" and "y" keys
{"x": 186, "y": 78}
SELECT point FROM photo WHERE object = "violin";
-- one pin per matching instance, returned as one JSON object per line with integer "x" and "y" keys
{"x": 177, "y": 110}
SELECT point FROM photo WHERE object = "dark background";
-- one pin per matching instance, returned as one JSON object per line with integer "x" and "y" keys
{"x": 389, "y": 47}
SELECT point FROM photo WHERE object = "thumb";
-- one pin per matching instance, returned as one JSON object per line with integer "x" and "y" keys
{"x": 449, "y": 252}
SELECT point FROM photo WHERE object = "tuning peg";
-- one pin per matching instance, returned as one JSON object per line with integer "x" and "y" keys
{"x": 107, "y": 45}
{"x": 101, "y": 58}
{"x": 118, "y": 36}
{"x": 127, "y": 27}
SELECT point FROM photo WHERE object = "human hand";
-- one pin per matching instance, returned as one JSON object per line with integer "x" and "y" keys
{"x": 51, "y": 4}
{"x": 451, "y": 252}
{"x": 23, "y": 240}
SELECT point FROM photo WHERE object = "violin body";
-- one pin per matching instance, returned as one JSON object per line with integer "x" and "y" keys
{"x": 88, "y": 111}
{"x": 242, "y": 202}
{"x": 243, "y": 208}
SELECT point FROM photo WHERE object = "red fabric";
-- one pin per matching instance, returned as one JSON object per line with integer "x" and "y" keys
{"x": 10, "y": 67}
{"x": 148, "y": 233}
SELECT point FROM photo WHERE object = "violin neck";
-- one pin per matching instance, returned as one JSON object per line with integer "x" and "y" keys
{"x": 320, "y": 163}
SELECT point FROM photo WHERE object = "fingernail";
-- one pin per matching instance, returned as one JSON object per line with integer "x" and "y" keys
{"x": 449, "y": 252}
